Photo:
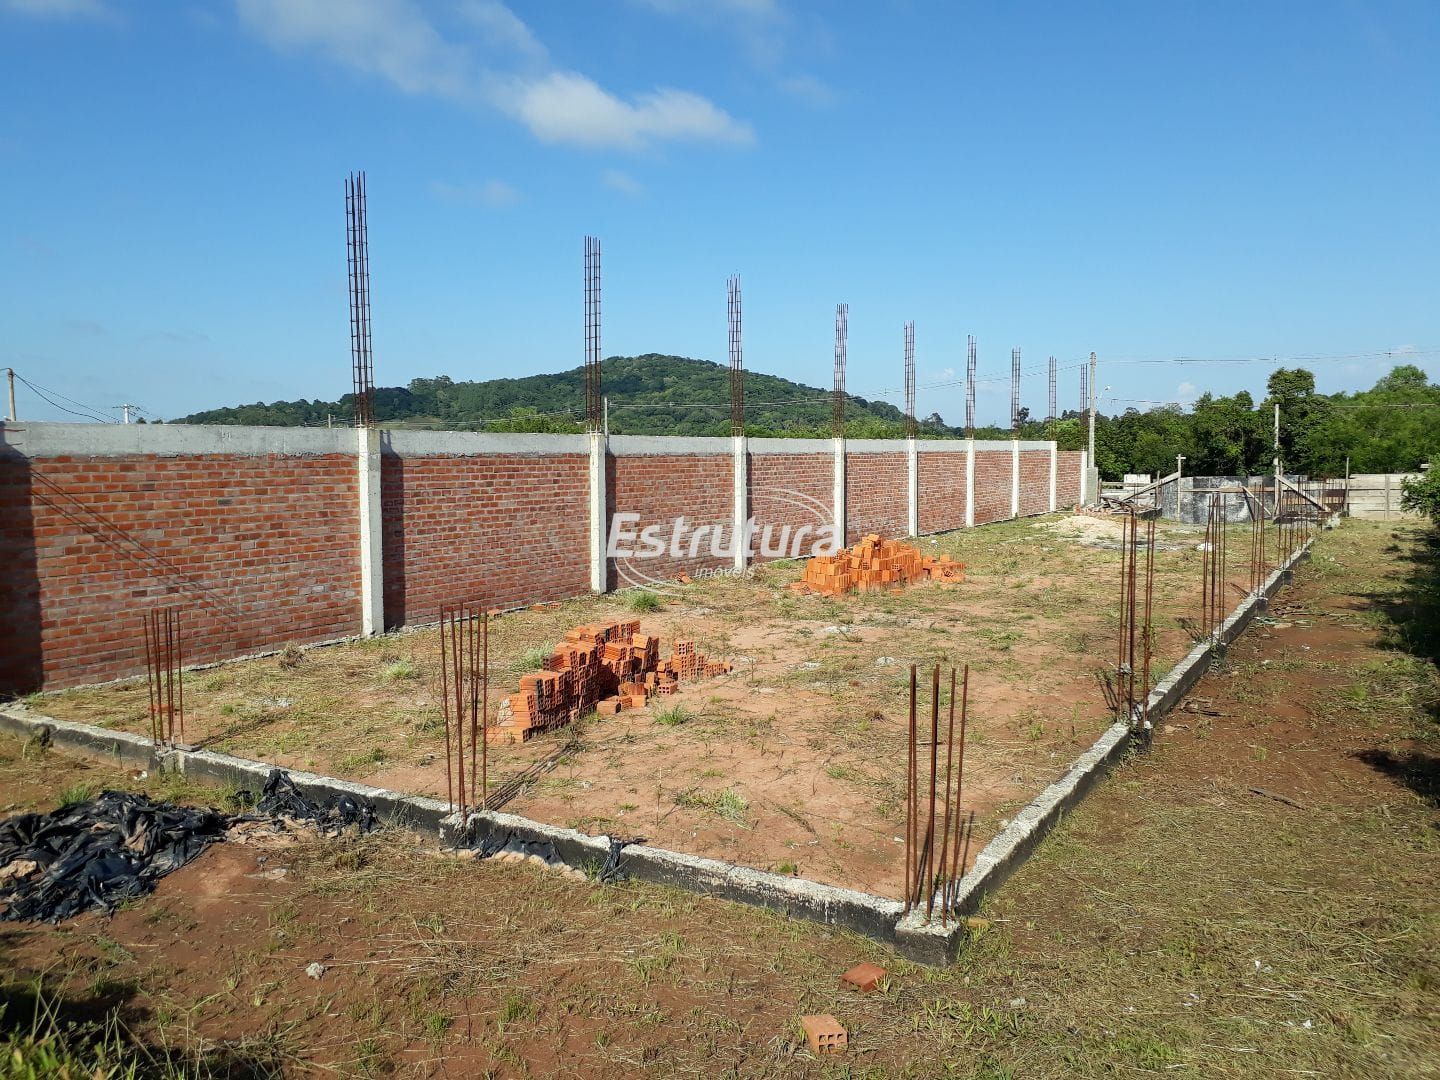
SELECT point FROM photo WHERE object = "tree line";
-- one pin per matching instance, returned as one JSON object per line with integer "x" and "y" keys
{"x": 1392, "y": 427}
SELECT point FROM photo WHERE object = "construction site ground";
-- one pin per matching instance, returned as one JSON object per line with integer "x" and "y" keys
{"x": 795, "y": 761}
{"x": 1254, "y": 897}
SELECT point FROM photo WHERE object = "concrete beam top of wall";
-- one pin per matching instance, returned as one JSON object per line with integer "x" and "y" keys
{"x": 944, "y": 446}
{"x": 41, "y": 440}
{"x": 1035, "y": 444}
{"x": 653, "y": 445}
{"x": 403, "y": 443}
{"x": 790, "y": 446}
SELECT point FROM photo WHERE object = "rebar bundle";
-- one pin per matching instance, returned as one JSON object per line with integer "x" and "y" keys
{"x": 1050, "y": 417}
{"x": 1015, "y": 391}
{"x": 163, "y": 663}
{"x": 970, "y": 387}
{"x": 464, "y": 697}
{"x": 737, "y": 358}
{"x": 1214, "y": 567}
{"x": 910, "y": 427}
{"x": 1135, "y": 640}
{"x": 842, "y": 320}
{"x": 594, "y": 401}
{"x": 357, "y": 252}
{"x": 937, "y": 833}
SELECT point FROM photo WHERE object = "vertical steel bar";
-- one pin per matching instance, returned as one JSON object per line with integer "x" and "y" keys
{"x": 485, "y": 710}
{"x": 445, "y": 705}
{"x": 957, "y": 862}
{"x": 944, "y": 863}
{"x": 910, "y": 798}
{"x": 934, "y": 771}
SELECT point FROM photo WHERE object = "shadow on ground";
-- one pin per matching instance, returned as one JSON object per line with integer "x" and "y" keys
{"x": 46, "y": 1033}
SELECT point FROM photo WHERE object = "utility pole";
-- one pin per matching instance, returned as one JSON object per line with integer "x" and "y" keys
{"x": 10, "y": 377}
{"x": 125, "y": 411}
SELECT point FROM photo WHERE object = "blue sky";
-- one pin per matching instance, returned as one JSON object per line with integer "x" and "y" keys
{"x": 1147, "y": 180}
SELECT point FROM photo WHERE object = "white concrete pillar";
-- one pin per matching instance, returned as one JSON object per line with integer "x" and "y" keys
{"x": 1014, "y": 478}
{"x": 372, "y": 565}
{"x": 970, "y": 484}
{"x": 912, "y": 486}
{"x": 599, "y": 578}
{"x": 839, "y": 493}
{"x": 1054, "y": 464}
{"x": 741, "y": 512}
{"x": 1086, "y": 496}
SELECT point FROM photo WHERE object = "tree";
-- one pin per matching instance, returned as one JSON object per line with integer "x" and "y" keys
{"x": 1421, "y": 495}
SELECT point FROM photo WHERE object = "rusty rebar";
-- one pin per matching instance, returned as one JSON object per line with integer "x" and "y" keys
{"x": 930, "y": 873}
{"x": 464, "y": 698}
{"x": 910, "y": 798}
{"x": 957, "y": 862}
{"x": 357, "y": 249}
{"x": 949, "y": 762}
{"x": 164, "y": 663}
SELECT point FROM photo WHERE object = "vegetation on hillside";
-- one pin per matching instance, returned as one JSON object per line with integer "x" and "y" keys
{"x": 1392, "y": 427}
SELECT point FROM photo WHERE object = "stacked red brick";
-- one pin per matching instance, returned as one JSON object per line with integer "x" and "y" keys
{"x": 607, "y": 668}
{"x": 876, "y": 564}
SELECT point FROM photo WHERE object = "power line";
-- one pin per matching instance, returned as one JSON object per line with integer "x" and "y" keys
{"x": 86, "y": 410}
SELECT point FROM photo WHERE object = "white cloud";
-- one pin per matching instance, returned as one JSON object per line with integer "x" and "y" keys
{"x": 57, "y": 9}
{"x": 388, "y": 38}
{"x": 1186, "y": 392}
{"x": 622, "y": 181}
{"x": 567, "y": 107}
{"x": 492, "y": 194}
{"x": 504, "y": 29}
{"x": 808, "y": 89}
{"x": 395, "y": 41}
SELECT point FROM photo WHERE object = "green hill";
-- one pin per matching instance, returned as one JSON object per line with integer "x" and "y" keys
{"x": 649, "y": 395}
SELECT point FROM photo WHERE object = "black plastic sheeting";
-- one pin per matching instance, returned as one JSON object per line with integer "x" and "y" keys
{"x": 92, "y": 856}
{"x": 610, "y": 872}
{"x": 280, "y": 798}
{"x": 95, "y": 855}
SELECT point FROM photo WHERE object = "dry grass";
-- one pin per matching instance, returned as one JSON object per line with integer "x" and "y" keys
{"x": 811, "y": 719}
{"x": 1176, "y": 923}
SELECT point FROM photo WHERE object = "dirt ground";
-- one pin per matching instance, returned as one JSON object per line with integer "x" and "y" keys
{"x": 795, "y": 761}
{"x": 1253, "y": 897}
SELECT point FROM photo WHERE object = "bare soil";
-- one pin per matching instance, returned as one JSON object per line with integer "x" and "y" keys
{"x": 1253, "y": 897}
{"x": 793, "y": 762}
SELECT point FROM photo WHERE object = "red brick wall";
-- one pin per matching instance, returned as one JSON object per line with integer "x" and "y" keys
{"x": 260, "y": 551}
{"x": 875, "y": 497}
{"x": 661, "y": 487}
{"x": 794, "y": 490}
{"x": 992, "y": 485}
{"x": 1034, "y": 482}
{"x": 500, "y": 528}
{"x": 942, "y": 491}
{"x": 1067, "y": 478}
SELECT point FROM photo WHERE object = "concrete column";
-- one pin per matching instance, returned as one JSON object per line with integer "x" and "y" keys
{"x": 372, "y": 565}
{"x": 1054, "y": 464}
{"x": 970, "y": 484}
{"x": 742, "y": 501}
{"x": 912, "y": 486}
{"x": 1014, "y": 478}
{"x": 840, "y": 519}
{"x": 599, "y": 578}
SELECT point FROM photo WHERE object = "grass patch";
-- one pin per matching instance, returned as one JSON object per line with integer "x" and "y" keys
{"x": 728, "y": 804}
{"x": 399, "y": 671}
{"x": 76, "y": 793}
{"x": 644, "y": 601}
{"x": 674, "y": 716}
